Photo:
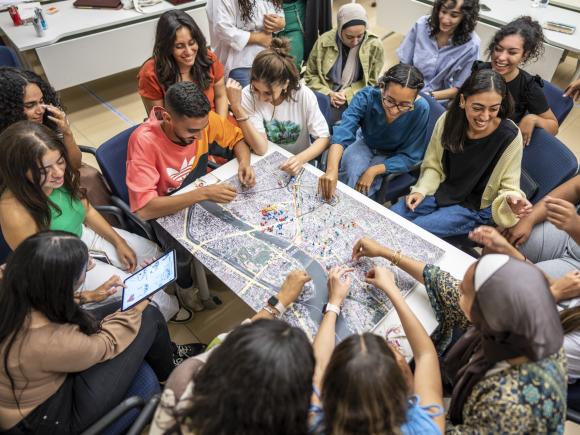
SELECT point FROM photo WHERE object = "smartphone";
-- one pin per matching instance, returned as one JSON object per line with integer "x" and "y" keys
{"x": 101, "y": 256}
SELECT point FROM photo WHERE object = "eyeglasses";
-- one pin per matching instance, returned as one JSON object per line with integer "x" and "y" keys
{"x": 401, "y": 107}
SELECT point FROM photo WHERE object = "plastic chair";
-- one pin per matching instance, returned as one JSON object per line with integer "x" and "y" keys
{"x": 560, "y": 105}
{"x": 8, "y": 57}
{"x": 143, "y": 391}
{"x": 394, "y": 186}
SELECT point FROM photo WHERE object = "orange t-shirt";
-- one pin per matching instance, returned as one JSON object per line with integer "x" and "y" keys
{"x": 156, "y": 166}
{"x": 150, "y": 88}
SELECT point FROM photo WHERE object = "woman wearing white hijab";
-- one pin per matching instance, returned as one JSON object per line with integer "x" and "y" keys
{"x": 508, "y": 371}
{"x": 345, "y": 59}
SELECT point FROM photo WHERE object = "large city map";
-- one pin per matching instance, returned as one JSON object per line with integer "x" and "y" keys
{"x": 282, "y": 224}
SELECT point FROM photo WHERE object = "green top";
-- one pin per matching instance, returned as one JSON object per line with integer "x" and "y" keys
{"x": 72, "y": 213}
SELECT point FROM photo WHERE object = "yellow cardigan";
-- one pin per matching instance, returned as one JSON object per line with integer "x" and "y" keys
{"x": 504, "y": 180}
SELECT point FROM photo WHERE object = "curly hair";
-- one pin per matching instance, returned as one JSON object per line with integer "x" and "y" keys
{"x": 186, "y": 99}
{"x": 166, "y": 68}
{"x": 247, "y": 8}
{"x": 470, "y": 14}
{"x": 13, "y": 84}
{"x": 22, "y": 146}
{"x": 530, "y": 31}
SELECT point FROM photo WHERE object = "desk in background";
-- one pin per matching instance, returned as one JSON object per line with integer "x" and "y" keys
{"x": 81, "y": 45}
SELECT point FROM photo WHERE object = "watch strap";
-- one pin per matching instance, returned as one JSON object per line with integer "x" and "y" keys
{"x": 279, "y": 306}
{"x": 331, "y": 307}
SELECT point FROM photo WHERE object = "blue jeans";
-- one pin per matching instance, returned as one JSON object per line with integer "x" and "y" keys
{"x": 357, "y": 158}
{"x": 241, "y": 75}
{"x": 452, "y": 220}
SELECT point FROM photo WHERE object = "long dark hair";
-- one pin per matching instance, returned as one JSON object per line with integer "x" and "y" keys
{"x": 247, "y": 8}
{"x": 570, "y": 319}
{"x": 530, "y": 31}
{"x": 166, "y": 67}
{"x": 455, "y": 127}
{"x": 257, "y": 382}
{"x": 470, "y": 14}
{"x": 22, "y": 146}
{"x": 13, "y": 83}
{"x": 364, "y": 390}
{"x": 41, "y": 275}
{"x": 275, "y": 66}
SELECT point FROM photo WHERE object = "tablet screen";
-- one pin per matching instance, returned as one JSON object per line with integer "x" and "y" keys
{"x": 148, "y": 280}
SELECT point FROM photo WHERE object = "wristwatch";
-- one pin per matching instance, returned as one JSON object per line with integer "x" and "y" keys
{"x": 279, "y": 306}
{"x": 331, "y": 307}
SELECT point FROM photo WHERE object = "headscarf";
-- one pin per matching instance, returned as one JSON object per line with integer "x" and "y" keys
{"x": 514, "y": 314}
{"x": 351, "y": 14}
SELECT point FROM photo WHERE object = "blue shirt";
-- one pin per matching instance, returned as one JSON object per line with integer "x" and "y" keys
{"x": 444, "y": 67}
{"x": 403, "y": 141}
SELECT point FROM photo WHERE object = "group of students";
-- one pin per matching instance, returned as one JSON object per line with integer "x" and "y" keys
{"x": 69, "y": 355}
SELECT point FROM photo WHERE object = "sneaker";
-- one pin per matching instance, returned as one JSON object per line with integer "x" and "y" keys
{"x": 184, "y": 315}
{"x": 189, "y": 297}
{"x": 184, "y": 351}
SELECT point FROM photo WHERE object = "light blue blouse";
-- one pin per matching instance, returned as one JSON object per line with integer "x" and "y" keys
{"x": 444, "y": 67}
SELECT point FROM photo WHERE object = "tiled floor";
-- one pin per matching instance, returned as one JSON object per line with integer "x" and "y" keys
{"x": 98, "y": 110}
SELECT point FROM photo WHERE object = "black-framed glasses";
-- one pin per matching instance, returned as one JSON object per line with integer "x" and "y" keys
{"x": 401, "y": 107}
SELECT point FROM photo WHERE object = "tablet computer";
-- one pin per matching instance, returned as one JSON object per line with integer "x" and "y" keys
{"x": 149, "y": 280}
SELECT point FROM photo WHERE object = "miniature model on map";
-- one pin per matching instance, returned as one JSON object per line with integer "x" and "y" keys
{"x": 282, "y": 224}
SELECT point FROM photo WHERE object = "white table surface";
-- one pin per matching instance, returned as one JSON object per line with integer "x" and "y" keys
{"x": 570, "y": 4}
{"x": 70, "y": 21}
{"x": 454, "y": 261}
{"x": 504, "y": 11}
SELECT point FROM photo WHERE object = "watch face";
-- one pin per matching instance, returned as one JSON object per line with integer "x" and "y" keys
{"x": 272, "y": 301}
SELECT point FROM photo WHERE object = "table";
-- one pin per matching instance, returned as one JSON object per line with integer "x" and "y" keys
{"x": 453, "y": 260}
{"x": 81, "y": 45}
{"x": 400, "y": 15}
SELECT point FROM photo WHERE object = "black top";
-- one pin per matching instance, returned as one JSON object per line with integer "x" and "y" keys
{"x": 526, "y": 91}
{"x": 467, "y": 173}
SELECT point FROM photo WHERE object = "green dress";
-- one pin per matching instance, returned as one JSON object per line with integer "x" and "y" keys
{"x": 295, "y": 16}
{"x": 527, "y": 398}
{"x": 71, "y": 215}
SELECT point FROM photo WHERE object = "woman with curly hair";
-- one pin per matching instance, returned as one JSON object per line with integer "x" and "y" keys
{"x": 240, "y": 29}
{"x": 180, "y": 54}
{"x": 443, "y": 46}
{"x": 515, "y": 44}
{"x": 276, "y": 108}
{"x": 26, "y": 96}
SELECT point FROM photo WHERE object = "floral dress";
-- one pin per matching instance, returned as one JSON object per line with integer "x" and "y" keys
{"x": 528, "y": 398}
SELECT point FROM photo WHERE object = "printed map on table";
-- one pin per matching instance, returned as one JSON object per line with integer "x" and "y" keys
{"x": 282, "y": 224}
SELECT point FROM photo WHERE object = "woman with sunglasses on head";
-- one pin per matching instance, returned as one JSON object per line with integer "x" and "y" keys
{"x": 383, "y": 131}
{"x": 275, "y": 107}
{"x": 180, "y": 53}
{"x": 514, "y": 45}
{"x": 443, "y": 46}
{"x": 471, "y": 172}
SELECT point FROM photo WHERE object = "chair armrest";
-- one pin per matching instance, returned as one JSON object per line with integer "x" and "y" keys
{"x": 115, "y": 211}
{"x": 145, "y": 416}
{"x": 143, "y": 225}
{"x": 88, "y": 149}
{"x": 573, "y": 415}
{"x": 114, "y": 414}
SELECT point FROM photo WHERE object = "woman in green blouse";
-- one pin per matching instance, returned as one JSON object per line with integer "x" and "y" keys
{"x": 508, "y": 370}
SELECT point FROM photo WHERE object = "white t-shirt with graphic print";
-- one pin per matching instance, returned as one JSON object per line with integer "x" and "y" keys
{"x": 292, "y": 123}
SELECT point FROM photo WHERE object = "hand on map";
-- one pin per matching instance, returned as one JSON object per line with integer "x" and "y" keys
{"x": 327, "y": 185}
{"x": 234, "y": 93}
{"x": 566, "y": 287}
{"x": 126, "y": 255}
{"x": 521, "y": 207}
{"x": 338, "y": 284}
{"x": 292, "y": 286}
{"x": 562, "y": 214}
{"x": 247, "y": 175}
{"x": 383, "y": 279}
{"x": 365, "y": 247}
{"x": 493, "y": 241}
{"x": 413, "y": 200}
{"x": 292, "y": 166}
{"x": 221, "y": 193}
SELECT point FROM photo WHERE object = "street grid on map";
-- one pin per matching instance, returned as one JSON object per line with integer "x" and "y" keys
{"x": 282, "y": 224}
